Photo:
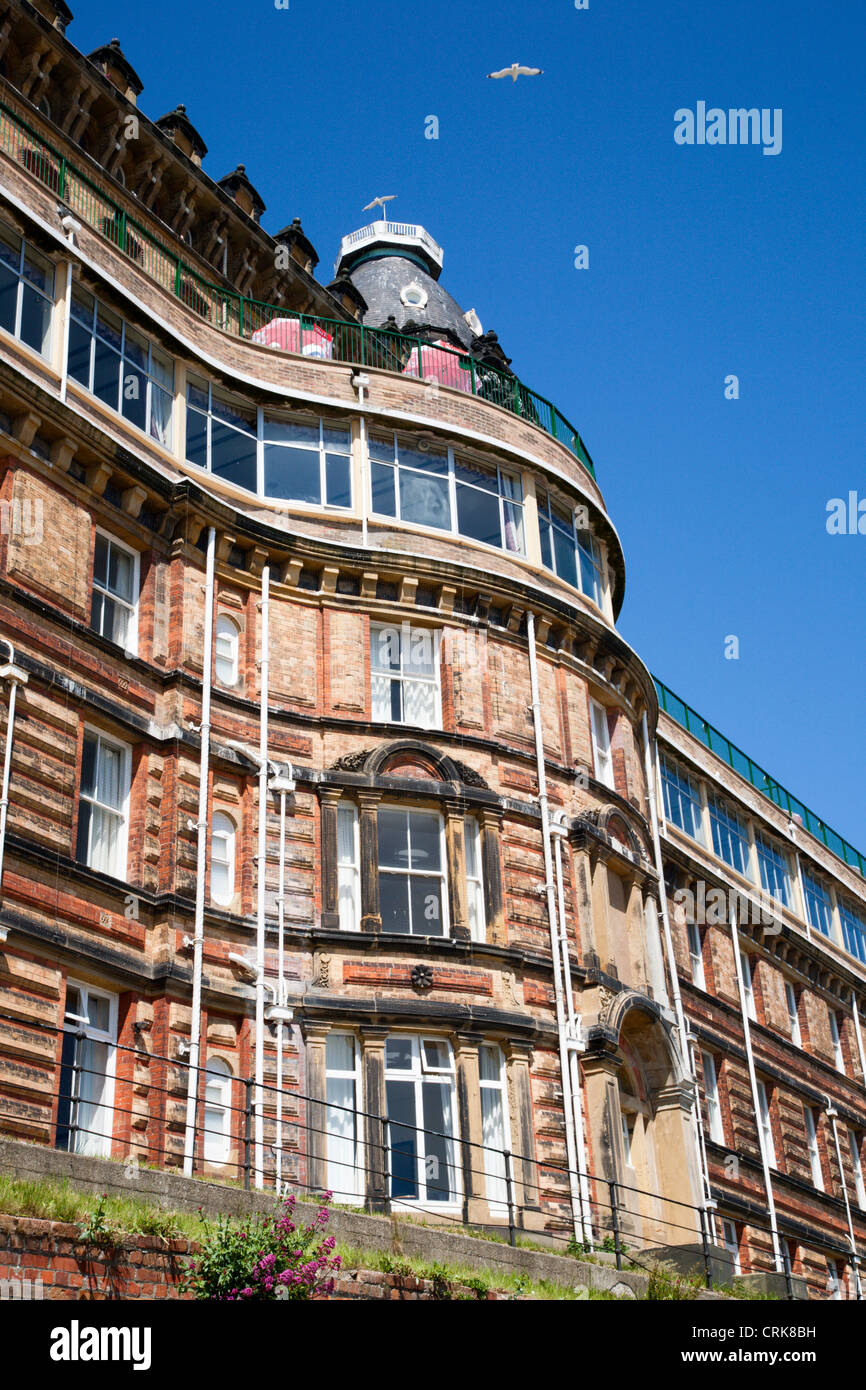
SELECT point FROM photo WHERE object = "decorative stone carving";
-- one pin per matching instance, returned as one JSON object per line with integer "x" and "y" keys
{"x": 351, "y": 762}
{"x": 323, "y": 969}
{"x": 422, "y": 977}
{"x": 469, "y": 776}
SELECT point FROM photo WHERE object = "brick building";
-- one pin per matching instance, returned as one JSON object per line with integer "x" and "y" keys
{"x": 346, "y": 842}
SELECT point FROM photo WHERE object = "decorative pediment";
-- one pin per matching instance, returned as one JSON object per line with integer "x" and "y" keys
{"x": 409, "y": 759}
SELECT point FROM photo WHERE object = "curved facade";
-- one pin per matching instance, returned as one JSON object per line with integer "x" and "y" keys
{"x": 437, "y": 927}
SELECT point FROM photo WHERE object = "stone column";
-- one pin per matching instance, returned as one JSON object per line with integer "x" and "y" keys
{"x": 470, "y": 1157}
{"x": 678, "y": 1172}
{"x": 518, "y": 1057}
{"x": 329, "y": 799}
{"x": 371, "y": 917}
{"x": 316, "y": 1086}
{"x": 455, "y": 849}
{"x": 491, "y": 871}
{"x": 377, "y": 1197}
{"x": 601, "y": 1089}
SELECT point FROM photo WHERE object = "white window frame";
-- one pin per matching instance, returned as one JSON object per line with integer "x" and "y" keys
{"x": 475, "y": 881}
{"x": 230, "y": 634}
{"x": 440, "y": 874}
{"x": 711, "y": 1091}
{"x": 404, "y": 675}
{"x": 420, "y": 1069}
{"x": 727, "y": 828}
{"x": 696, "y": 955}
{"x": 732, "y": 1245}
{"x": 119, "y": 868}
{"x": 97, "y": 1143}
{"x": 748, "y": 987}
{"x": 771, "y": 854}
{"x": 688, "y": 789}
{"x": 322, "y": 448}
{"x": 349, "y": 871}
{"x": 857, "y": 1168}
{"x": 814, "y": 1151}
{"x": 590, "y": 547}
{"x": 131, "y": 644}
{"x": 452, "y": 458}
{"x": 602, "y": 756}
{"x": 818, "y": 905}
{"x": 126, "y": 365}
{"x": 836, "y": 1037}
{"x": 495, "y": 1173}
{"x": 765, "y": 1122}
{"x": 26, "y": 250}
{"x": 345, "y": 1185}
{"x": 228, "y": 838}
{"x": 793, "y": 1014}
{"x": 217, "y": 1144}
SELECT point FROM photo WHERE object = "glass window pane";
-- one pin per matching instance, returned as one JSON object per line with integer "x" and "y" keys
{"x": 78, "y": 359}
{"x": 439, "y": 1167}
{"x": 478, "y": 516}
{"x": 338, "y": 480}
{"x": 398, "y": 1054}
{"x": 233, "y": 456}
{"x": 382, "y": 490}
{"x": 393, "y": 849}
{"x": 293, "y": 474}
{"x": 340, "y": 1052}
{"x": 291, "y": 432}
{"x": 35, "y": 320}
{"x": 566, "y": 562}
{"x": 196, "y": 438}
{"x": 425, "y": 835}
{"x": 338, "y": 440}
{"x": 419, "y": 703}
{"x": 426, "y": 906}
{"x": 106, "y": 375}
{"x": 394, "y": 903}
{"x": 381, "y": 449}
{"x": 404, "y": 1138}
{"x": 134, "y": 396}
{"x": 480, "y": 475}
{"x": 425, "y": 500}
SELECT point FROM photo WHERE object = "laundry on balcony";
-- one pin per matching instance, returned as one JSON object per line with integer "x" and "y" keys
{"x": 290, "y": 336}
{"x": 439, "y": 361}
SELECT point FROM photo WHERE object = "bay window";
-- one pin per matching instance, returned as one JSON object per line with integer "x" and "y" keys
{"x": 87, "y": 1060}
{"x": 494, "y": 1126}
{"x": 114, "y": 593}
{"x": 730, "y": 837}
{"x": 119, "y": 365}
{"x": 103, "y": 805}
{"x": 307, "y": 461}
{"x": 404, "y": 675}
{"x": 221, "y": 434}
{"x": 348, "y": 868}
{"x": 474, "y": 880}
{"x": 343, "y": 1138}
{"x": 412, "y": 890}
{"x": 217, "y": 1111}
{"x": 774, "y": 870}
{"x": 436, "y": 487}
{"x": 420, "y": 1088}
{"x": 570, "y": 552}
{"x": 819, "y": 906}
{"x": 853, "y": 930}
{"x": 26, "y": 292}
{"x": 682, "y": 800}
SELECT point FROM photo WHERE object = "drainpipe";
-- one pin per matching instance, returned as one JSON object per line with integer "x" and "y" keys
{"x": 753, "y": 1082}
{"x": 283, "y": 782}
{"x": 70, "y": 226}
{"x": 361, "y": 383}
{"x": 549, "y": 892}
{"x": 262, "y": 863}
{"x": 201, "y": 862}
{"x": 855, "y": 1258}
{"x": 858, "y": 1035}
{"x": 16, "y": 677}
{"x": 707, "y": 1202}
{"x": 574, "y": 1038}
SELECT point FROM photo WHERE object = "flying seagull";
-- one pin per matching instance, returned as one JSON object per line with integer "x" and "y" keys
{"x": 380, "y": 202}
{"x": 516, "y": 71}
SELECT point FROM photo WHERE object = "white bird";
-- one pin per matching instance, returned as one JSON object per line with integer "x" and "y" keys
{"x": 516, "y": 71}
{"x": 380, "y": 202}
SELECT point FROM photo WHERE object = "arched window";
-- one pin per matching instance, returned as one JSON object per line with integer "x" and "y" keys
{"x": 217, "y": 1111}
{"x": 222, "y": 859}
{"x": 226, "y": 648}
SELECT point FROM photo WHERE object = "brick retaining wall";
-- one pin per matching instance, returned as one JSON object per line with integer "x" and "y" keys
{"x": 32, "y": 1249}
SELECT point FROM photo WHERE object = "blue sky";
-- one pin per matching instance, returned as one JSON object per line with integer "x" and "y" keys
{"x": 703, "y": 261}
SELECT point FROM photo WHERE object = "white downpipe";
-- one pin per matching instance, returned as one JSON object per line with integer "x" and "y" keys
{"x": 573, "y": 1039}
{"x": 707, "y": 1202}
{"x": 859, "y": 1036}
{"x": 753, "y": 1082}
{"x": 67, "y": 319}
{"x": 550, "y": 895}
{"x": 364, "y": 462}
{"x": 281, "y": 995}
{"x": 201, "y": 861}
{"x": 16, "y": 677}
{"x": 262, "y": 864}
{"x": 855, "y": 1258}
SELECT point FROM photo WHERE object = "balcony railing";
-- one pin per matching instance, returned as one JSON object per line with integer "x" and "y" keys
{"x": 759, "y": 779}
{"x": 233, "y": 313}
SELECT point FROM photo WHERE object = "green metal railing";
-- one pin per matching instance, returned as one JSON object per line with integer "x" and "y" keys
{"x": 717, "y": 743}
{"x": 242, "y": 317}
